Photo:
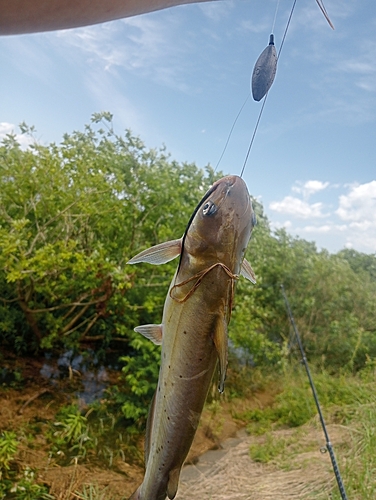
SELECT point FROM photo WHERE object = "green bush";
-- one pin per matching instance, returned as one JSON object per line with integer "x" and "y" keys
{"x": 8, "y": 449}
{"x": 70, "y": 435}
{"x": 71, "y": 215}
{"x": 100, "y": 434}
{"x": 26, "y": 488}
{"x": 12, "y": 485}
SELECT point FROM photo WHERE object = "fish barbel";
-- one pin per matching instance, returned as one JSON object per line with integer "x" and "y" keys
{"x": 193, "y": 332}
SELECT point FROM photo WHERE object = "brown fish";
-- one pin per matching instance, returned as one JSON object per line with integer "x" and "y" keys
{"x": 193, "y": 332}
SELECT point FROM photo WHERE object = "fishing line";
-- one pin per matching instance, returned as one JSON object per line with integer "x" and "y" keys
{"x": 200, "y": 276}
{"x": 253, "y": 135}
{"x": 264, "y": 101}
{"x": 231, "y": 130}
{"x": 287, "y": 27}
{"x": 242, "y": 107}
{"x": 328, "y": 446}
{"x": 266, "y": 85}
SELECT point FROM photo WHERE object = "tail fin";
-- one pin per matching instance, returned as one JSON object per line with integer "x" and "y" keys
{"x": 136, "y": 494}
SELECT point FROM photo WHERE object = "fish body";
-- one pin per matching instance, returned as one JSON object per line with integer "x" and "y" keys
{"x": 193, "y": 332}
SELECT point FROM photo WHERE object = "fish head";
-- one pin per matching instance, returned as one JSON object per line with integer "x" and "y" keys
{"x": 221, "y": 225}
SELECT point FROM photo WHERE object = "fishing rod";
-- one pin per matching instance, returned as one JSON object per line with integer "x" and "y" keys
{"x": 329, "y": 446}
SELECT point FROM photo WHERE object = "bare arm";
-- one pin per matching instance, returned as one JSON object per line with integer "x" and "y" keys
{"x": 31, "y": 16}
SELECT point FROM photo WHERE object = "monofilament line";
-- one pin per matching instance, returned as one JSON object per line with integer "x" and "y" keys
{"x": 263, "y": 104}
{"x": 244, "y": 103}
{"x": 253, "y": 136}
{"x": 287, "y": 27}
{"x": 231, "y": 130}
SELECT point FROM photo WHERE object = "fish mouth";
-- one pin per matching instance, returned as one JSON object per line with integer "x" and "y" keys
{"x": 226, "y": 190}
{"x": 230, "y": 184}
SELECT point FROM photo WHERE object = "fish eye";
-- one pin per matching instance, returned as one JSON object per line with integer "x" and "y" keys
{"x": 209, "y": 208}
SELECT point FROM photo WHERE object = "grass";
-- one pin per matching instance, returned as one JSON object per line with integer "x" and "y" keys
{"x": 347, "y": 400}
{"x": 359, "y": 464}
{"x": 91, "y": 492}
{"x": 271, "y": 448}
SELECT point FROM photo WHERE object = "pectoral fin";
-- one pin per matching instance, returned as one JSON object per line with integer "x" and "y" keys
{"x": 247, "y": 271}
{"x": 151, "y": 332}
{"x": 173, "y": 483}
{"x": 220, "y": 341}
{"x": 158, "y": 254}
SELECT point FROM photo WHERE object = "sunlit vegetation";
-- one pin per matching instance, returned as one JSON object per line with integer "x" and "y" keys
{"x": 71, "y": 216}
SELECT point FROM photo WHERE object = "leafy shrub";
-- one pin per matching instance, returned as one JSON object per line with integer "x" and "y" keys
{"x": 8, "y": 449}
{"x": 141, "y": 375}
{"x": 26, "y": 488}
{"x": 11, "y": 485}
{"x": 71, "y": 215}
{"x": 69, "y": 434}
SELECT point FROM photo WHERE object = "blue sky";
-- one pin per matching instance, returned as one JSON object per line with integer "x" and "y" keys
{"x": 180, "y": 76}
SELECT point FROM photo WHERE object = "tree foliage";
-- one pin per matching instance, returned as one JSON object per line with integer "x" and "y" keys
{"x": 72, "y": 214}
{"x": 333, "y": 298}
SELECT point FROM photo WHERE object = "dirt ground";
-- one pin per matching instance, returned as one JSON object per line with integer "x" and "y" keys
{"x": 31, "y": 405}
{"x": 303, "y": 471}
{"x": 34, "y": 404}
{"x": 228, "y": 473}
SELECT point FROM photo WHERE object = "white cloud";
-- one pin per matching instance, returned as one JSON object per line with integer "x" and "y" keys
{"x": 352, "y": 225}
{"x": 325, "y": 229}
{"x": 255, "y": 26}
{"x": 309, "y": 187}
{"x": 359, "y": 205}
{"x": 368, "y": 85}
{"x": 5, "y": 129}
{"x": 358, "y": 67}
{"x": 317, "y": 229}
{"x": 358, "y": 209}
{"x": 362, "y": 241}
{"x": 361, "y": 226}
{"x": 298, "y": 208}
